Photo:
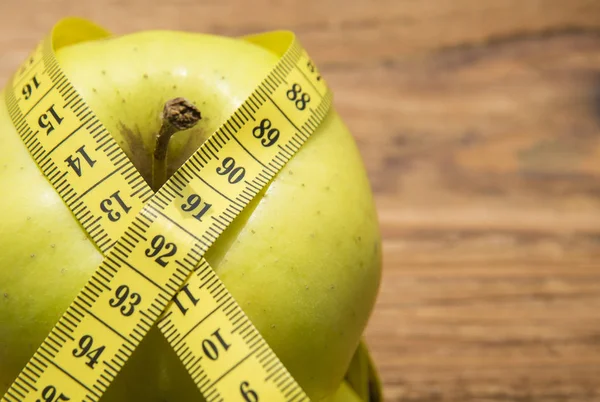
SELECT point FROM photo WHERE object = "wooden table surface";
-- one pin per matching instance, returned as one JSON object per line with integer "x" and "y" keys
{"x": 479, "y": 123}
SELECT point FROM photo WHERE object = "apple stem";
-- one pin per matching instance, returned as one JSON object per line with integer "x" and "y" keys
{"x": 178, "y": 114}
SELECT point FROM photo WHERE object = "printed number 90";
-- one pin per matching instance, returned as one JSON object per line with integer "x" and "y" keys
{"x": 234, "y": 174}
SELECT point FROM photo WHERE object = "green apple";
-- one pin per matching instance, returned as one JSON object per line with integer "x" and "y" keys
{"x": 303, "y": 259}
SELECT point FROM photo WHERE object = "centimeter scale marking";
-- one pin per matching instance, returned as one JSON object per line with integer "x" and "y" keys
{"x": 153, "y": 242}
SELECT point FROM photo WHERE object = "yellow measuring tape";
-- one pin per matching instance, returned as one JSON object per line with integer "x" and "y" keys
{"x": 153, "y": 242}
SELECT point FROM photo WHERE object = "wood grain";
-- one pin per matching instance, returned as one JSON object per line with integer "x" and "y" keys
{"x": 479, "y": 123}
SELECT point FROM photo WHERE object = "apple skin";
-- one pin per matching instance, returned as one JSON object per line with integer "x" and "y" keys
{"x": 346, "y": 394}
{"x": 303, "y": 259}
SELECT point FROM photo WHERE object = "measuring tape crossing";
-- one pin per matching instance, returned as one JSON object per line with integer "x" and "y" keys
{"x": 153, "y": 242}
